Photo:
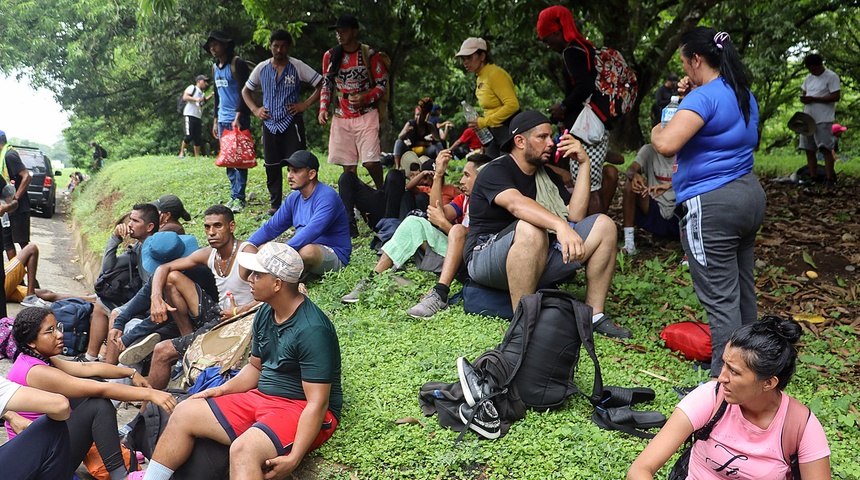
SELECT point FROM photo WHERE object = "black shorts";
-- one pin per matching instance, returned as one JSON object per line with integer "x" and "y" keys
{"x": 193, "y": 131}
{"x": 208, "y": 316}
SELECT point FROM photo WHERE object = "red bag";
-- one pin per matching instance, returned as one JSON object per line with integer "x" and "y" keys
{"x": 693, "y": 339}
{"x": 237, "y": 150}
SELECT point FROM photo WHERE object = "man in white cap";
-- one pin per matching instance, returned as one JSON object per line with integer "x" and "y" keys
{"x": 285, "y": 402}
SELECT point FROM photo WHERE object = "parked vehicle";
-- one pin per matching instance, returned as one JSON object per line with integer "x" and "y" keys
{"x": 43, "y": 186}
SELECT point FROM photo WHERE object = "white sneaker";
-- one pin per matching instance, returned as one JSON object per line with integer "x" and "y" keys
{"x": 34, "y": 301}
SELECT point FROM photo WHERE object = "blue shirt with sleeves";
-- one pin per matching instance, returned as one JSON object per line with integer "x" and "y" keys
{"x": 722, "y": 151}
{"x": 320, "y": 219}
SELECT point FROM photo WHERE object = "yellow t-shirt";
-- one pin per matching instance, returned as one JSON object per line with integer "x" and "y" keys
{"x": 496, "y": 95}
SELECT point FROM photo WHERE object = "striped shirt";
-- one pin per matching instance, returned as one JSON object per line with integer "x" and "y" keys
{"x": 279, "y": 93}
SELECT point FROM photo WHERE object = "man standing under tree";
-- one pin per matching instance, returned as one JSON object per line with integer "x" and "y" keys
{"x": 821, "y": 91}
{"x": 283, "y": 125}
{"x": 194, "y": 97}
{"x": 99, "y": 156}
{"x": 354, "y": 79}
{"x": 229, "y": 73}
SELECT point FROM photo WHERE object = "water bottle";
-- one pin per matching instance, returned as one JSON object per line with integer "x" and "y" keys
{"x": 669, "y": 110}
{"x": 484, "y": 134}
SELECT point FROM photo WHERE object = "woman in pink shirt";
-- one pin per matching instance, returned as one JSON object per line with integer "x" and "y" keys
{"x": 746, "y": 442}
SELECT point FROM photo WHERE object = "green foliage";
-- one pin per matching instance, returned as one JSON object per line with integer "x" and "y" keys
{"x": 387, "y": 356}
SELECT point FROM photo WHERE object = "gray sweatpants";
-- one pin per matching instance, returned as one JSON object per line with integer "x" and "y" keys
{"x": 718, "y": 231}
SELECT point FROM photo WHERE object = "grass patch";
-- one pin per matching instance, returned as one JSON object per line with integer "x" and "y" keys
{"x": 387, "y": 356}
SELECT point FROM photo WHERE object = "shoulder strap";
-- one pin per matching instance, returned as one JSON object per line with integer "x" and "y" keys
{"x": 796, "y": 419}
{"x": 365, "y": 54}
{"x": 233, "y": 67}
{"x": 720, "y": 407}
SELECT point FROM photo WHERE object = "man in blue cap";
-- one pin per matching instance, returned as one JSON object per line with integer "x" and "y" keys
{"x": 191, "y": 295}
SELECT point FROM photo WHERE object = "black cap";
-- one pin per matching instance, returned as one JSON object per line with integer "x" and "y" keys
{"x": 172, "y": 204}
{"x": 672, "y": 77}
{"x": 220, "y": 36}
{"x": 345, "y": 21}
{"x": 201, "y": 77}
{"x": 524, "y": 121}
{"x": 303, "y": 159}
{"x": 427, "y": 164}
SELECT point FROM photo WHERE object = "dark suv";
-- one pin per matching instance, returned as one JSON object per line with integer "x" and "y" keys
{"x": 43, "y": 186}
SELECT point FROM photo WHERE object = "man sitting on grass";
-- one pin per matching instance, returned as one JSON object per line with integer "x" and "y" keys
{"x": 519, "y": 232}
{"x": 318, "y": 215}
{"x": 430, "y": 241}
{"x": 649, "y": 199}
{"x": 285, "y": 402}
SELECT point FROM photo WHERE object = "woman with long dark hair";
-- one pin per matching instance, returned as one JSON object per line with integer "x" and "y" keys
{"x": 720, "y": 201}
{"x": 746, "y": 439}
{"x": 40, "y": 340}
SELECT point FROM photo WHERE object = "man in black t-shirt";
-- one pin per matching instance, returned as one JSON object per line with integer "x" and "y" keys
{"x": 527, "y": 231}
{"x": 14, "y": 171}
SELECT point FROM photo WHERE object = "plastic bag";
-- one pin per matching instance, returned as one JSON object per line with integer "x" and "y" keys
{"x": 237, "y": 150}
{"x": 588, "y": 128}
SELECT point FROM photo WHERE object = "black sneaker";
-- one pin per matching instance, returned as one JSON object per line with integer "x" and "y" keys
{"x": 473, "y": 387}
{"x": 609, "y": 328}
{"x": 485, "y": 420}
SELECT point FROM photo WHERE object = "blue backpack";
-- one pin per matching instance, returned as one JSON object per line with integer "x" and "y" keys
{"x": 211, "y": 377}
{"x": 74, "y": 314}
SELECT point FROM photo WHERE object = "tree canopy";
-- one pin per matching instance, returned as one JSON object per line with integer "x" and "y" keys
{"x": 119, "y": 65}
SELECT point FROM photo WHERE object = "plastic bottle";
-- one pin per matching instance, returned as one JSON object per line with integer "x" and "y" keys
{"x": 669, "y": 110}
{"x": 484, "y": 134}
{"x": 4, "y": 220}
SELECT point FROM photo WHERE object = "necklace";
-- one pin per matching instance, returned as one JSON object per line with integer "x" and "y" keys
{"x": 223, "y": 271}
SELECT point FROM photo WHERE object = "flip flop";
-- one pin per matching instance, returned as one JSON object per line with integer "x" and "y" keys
{"x": 627, "y": 420}
{"x": 620, "y": 396}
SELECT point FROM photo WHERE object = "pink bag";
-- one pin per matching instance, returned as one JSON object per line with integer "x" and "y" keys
{"x": 237, "y": 150}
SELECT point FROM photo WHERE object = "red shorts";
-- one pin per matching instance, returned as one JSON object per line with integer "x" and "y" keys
{"x": 277, "y": 417}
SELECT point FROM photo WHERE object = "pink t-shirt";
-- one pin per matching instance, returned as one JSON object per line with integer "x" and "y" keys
{"x": 738, "y": 449}
{"x": 18, "y": 374}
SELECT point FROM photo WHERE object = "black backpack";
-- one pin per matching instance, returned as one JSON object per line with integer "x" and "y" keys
{"x": 119, "y": 284}
{"x": 532, "y": 367}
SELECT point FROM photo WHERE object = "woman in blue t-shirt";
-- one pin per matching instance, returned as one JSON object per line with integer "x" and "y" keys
{"x": 720, "y": 200}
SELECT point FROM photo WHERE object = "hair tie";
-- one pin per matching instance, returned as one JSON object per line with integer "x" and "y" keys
{"x": 720, "y": 38}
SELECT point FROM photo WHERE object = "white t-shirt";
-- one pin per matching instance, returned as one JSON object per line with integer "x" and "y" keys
{"x": 7, "y": 389}
{"x": 193, "y": 109}
{"x": 819, "y": 86}
{"x": 658, "y": 169}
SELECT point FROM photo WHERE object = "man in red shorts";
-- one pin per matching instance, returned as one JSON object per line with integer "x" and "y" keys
{"x": 285, "y": 402}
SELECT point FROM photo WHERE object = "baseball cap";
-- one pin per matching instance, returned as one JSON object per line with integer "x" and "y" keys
{"x": 836, "y": 128}
{"x": 345, "y": 21}
{"x": 409, "y": 159}
{"x": 201, "y": 77}
{"x": 472, "y": 45}
{"x": 278, "y": 259}
{"x": 523, "y": 122}
{"x": 427, "y": 163}
{"x": 172, "y": 204}
{"x": 220, "y": 36}
{"x": 164, "y": 247}
{"x": 303, "y": 159}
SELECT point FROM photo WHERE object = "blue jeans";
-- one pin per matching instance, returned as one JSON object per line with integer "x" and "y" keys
{"x": 238, "y": 176}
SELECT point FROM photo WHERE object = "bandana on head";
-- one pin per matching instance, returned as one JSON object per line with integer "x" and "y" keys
{"x": 557, "y": 18}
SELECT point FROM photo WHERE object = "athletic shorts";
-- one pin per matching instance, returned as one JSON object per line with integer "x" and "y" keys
{"x": 15, "y": 271}
{"x": 655, "y": 223}
{"x": 822, "y": 140}
{"x": 330, "y": 263}
{"x": 208, "y": 316}
{"x": 354, "y": 140}
{"x": 489, "y": 258}
{"x": 277, "y": 417}
{"x": 18, "y": 231}
{"x": 193, "y": 131}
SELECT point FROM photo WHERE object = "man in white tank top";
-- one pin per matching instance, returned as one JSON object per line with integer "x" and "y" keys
{"x": 234, "y": 292}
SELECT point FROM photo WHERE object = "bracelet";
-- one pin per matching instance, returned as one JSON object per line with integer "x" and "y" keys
{"x": 133, "y": 373}
{"x": 234, "y": 311}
